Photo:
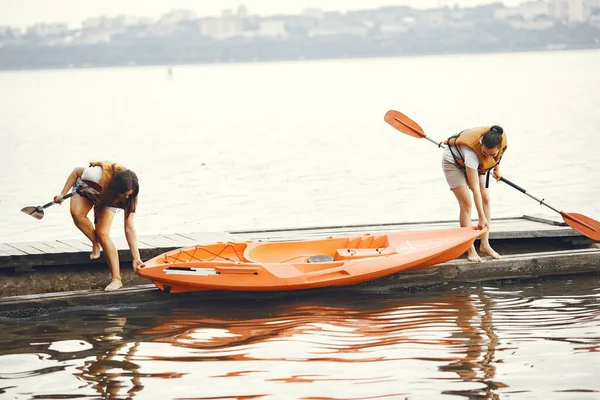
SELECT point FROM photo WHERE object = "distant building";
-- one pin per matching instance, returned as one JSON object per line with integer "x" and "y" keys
{"x": 210, "y": 26}
{"x": 573, "y": 10}
{"x": 576, "y": 11}
{"x": 595, "y": 19}
{"x": 339, "y": 28}
{"x": 273, "y": 28}
{"x": 227, "y": 25}
{"x": 176, "y": 16}
{"x": 558, "y": 9}
{"x": 47, "y": 29}
{"x": 9, "y": 31}
{"x": 113, "y": 23}
{"x": 171, "y": 22}
{"x": 242, "y": 11}
{"x": 527, "y": 11}
{"x": 312, "y": 13}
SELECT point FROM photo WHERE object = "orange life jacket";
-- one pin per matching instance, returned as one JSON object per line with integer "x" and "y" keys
{"x": 472, "y": 139}
{"x": 108, "y": 171}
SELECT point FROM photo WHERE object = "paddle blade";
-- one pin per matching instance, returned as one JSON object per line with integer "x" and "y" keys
{"x": 34, "y": 212}
{"x": 582, "y": 224}
{"x": 404, "y": 124}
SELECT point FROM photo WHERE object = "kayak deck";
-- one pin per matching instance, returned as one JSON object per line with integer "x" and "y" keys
{"x": 303, "y": 264}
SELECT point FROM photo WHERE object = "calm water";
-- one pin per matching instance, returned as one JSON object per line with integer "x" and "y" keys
{"x": 525, "y": 341}
{"x": 222, "y": 147}
{"x": 239, "y": 146}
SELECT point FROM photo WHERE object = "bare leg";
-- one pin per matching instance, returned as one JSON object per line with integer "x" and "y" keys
{"x": 80, "y": 207}
{"x": 464, "y": 201}
{"x": 485, "y": 237}
{"x": 104, "y": 221}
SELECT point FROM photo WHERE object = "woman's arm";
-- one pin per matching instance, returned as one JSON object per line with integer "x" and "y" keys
{"x": 473, "y": 178}
{"x": 76, "y": 173}
{"x": 131, "y": 236}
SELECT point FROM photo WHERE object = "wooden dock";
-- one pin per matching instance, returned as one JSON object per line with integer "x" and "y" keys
{"x": 27, "y": 256}
{"x": 532, "y": 246}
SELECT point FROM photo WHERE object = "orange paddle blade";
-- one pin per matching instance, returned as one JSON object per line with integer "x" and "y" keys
{"x": 404, "y": 124}
{"x": 582, "y": 224}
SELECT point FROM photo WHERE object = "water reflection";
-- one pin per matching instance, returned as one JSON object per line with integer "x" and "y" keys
{"x": 477, "y": 342}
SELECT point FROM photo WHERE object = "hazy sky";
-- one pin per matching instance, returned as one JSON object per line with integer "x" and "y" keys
{"x": 22, "y": 13}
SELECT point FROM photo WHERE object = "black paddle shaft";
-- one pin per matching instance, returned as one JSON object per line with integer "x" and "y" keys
{"x": 520, "y": 189}
{"x": 40, "y": 208}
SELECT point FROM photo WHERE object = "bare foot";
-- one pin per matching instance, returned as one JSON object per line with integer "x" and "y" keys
{"x": 490, "y": 251}
{"x": 472, "y": 255}
{"x": 95, "y": 252}
{"x": 115, "y": 284}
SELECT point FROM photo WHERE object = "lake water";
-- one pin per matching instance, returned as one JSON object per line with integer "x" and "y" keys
{"x": 538, "y": 340}
{"x": 269, "y": 145}
{"x": 290, "y": 144}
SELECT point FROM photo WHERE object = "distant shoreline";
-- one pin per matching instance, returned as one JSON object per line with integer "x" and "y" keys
{"x": 299, "y": 59}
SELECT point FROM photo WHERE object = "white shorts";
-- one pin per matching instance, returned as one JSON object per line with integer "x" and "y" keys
{"x": 457, "y": 177}
{"x": 89, "y": 182}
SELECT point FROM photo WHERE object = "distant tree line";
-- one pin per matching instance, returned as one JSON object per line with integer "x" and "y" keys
{"x": 189, "y": 49}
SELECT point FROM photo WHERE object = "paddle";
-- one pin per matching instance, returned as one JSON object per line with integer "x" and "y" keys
{"x": 580, "y": 223}
{"x": 38, "y": 212}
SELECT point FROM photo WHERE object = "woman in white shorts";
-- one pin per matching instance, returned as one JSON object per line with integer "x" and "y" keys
{"x": 108, "y": 188}
{"x": 465, "y": 161}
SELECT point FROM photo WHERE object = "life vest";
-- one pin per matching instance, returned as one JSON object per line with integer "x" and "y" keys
{"x": 472, "y": 139}
{"x": 108, "y": 171}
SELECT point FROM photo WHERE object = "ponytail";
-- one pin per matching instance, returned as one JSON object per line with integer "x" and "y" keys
{"x": 497, "y": 129}
{"x": 493, "y": 138}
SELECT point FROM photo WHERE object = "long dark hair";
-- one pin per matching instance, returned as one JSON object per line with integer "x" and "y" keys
{"x": 121, "y": 182}
{"x": 493, "y": 138}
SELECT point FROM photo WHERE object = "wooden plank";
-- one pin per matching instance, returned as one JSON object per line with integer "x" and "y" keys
{"x": 541, "y": 234}
{"x": 62, "y": 247}
{"x": 158, "y": 241}
{"x": 212, "y": 237}
{"x": 121, "y": 243}
{"x": 397, "y": 226}
{"x": 45, "y": 247}
{"x": 182, "y": 241}
{"x": 501, "y": 228}
{"x": 329, "y": 231}
{"x": 44, "y": 253}
{"x": 25, "y": 248}
{"x": 11, "y": 250}
{"x": 77, "y": 244}
{"x": 521, "y": 224}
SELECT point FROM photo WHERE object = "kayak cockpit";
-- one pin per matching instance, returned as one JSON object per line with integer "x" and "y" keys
{"x": 319, "y": 251}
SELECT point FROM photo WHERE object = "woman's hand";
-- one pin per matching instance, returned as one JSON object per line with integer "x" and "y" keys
{"x": 497, "y": 174}
{"x": 483, "y": 223}
{"x": 58, "y": 199}
{"x": 137, "y": 264}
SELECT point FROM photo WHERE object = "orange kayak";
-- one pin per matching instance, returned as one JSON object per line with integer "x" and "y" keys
{"x": 305, "y": 264}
